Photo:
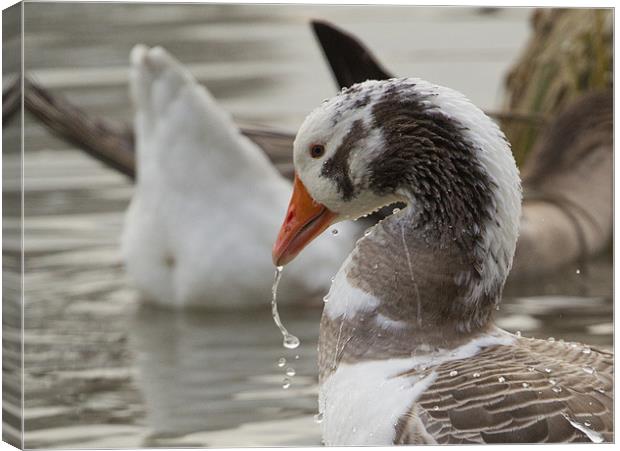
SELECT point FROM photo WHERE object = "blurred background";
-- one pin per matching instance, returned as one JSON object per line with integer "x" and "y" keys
{"x": 102, "y": 371}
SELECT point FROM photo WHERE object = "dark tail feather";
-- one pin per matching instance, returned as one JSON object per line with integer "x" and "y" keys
{"x": 351, "y": 62}
{"x": 109, "y": 142}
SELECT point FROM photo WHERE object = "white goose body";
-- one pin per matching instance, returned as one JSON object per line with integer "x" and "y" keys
{"x": 207, "y": 201}
{"x": 408, "y": 352}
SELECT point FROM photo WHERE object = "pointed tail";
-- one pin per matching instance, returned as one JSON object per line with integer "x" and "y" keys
{"x": 351, "y": 62}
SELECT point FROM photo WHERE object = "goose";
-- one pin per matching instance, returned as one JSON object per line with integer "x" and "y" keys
{"x": 207, "y": 201}
{"x": 567, "y": 179}
{"x": 408, "y": 351}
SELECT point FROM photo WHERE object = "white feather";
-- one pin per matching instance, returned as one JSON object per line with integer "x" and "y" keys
{"x": 347, "y": 299}
{"x": 362, "y": 402}
{"x": 207, "y": 204}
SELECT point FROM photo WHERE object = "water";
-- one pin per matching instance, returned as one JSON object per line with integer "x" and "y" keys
{"x": 289, "y": 341}
{"x": 101, "y": 371}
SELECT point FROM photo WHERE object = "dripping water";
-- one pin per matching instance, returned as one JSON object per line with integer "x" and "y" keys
{"x": 289, "y": 341}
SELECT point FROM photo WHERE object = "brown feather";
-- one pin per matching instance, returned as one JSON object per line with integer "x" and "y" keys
{"x": 524, "y": 394}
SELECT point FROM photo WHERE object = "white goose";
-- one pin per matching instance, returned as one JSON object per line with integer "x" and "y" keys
{"x": 207, "y": 201}
{"x": 408, "y": 352}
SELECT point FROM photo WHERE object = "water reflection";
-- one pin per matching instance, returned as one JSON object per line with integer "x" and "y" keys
{"x": 205, "y": 371}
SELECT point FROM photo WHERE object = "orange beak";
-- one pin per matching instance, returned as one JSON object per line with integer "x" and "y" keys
{"x": 305, "y": 220}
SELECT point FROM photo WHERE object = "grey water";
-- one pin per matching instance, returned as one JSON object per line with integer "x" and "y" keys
{"x": 101, "y": 369}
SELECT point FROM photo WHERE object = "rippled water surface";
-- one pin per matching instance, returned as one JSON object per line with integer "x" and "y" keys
{"x": 102, "y": 370}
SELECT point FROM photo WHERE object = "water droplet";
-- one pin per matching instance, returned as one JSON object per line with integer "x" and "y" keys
{"x": 286, "y": 383}
{"x": 587, "y": 351}
{"x": 318, "y": 418}
{"x": 531, "y": 369}
{"x": 551, "y": 339}
{"x": 396, "y": 210}
{"x": 281, "y": 362}
{"x": 334, "y": 231}
{"x": 290, "y": 371}
{"x": 547, "y": 370}
{"x": 600, "y": 390}
{"x": 518, "y": 333}
{"x": 501, "y": 379}
{"x": 552, "y": 381}
{"x": 578, "y": 271}
{"x": 436, "y": 408}
{"x": 326, "y": 299}
{"x": 587, "y": 423}
{"x": 367, "y": 232}
{"x": 589, "y": 369}
{"x": 296, "y": 356}
{"x": 556, "y": 389}
{"x": 595, "y": 437}
{"x": 375, "y": 266}
{"x": 332, "y": 279}
{"x": 453, "y": 373}
{"x": 476, "y": 375}
{"x": 525, "y": 385}
{"x": 291, "y": 342}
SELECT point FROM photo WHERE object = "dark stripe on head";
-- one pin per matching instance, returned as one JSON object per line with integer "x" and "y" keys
{"x": 337, "y": 167}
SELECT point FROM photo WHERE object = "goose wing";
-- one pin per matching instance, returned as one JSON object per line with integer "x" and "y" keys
{"x": 530, "y": 392}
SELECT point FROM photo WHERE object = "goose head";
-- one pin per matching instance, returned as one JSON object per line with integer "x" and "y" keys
{"x": 407, "y": 140}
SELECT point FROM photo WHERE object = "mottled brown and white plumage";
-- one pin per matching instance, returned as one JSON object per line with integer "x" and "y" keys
{"x": 408, "y": 352}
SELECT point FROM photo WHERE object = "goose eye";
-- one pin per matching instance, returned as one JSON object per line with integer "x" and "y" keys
{"x": 317, "y": 151}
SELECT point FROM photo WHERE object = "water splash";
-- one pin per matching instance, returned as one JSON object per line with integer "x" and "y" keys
{"x": 289, "y": 341}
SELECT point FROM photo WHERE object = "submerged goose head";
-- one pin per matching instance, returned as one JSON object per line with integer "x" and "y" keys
{"x": 409, "y": 140}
